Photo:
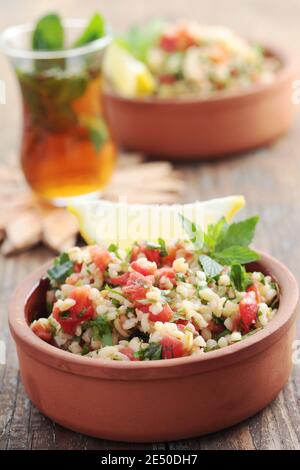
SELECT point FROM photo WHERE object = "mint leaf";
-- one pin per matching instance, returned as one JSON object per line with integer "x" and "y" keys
{"x": 214, "y": 232}
{"x": 239, "y": 277}
{"x": 193, "y": 231}
{"x": 236, "y": 255}
{"x": 238, "y": 234}
{"x": 94, "y": 30}
{"x": 62, "y": 268}
{"x": 48, "y": 34}
{"x": 210, "y": 266}
{"x": 152, "y": 352}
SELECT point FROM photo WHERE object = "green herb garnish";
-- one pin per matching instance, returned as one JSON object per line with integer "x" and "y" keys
{"x": 151, "y": 353}
{"x": 62, "y": 268}
{"x": 222, "y": 244}
{"x": 85, "y": 350}
{"x": 101, "y": 330}
{"x": 239, "y": 277}
{"x": 94, "y": 30}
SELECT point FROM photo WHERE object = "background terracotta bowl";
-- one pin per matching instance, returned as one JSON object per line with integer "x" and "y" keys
{"x": 200, "y": 129}
{"x": 155, "y": 400}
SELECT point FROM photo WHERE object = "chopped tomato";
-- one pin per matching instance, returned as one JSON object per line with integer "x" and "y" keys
{"x": 215, "y": 328}
{"x": 171, "y": 256}
{"x": 129, "y": 353}
{"x": 80, "y": 312}
{"x": 77, "y": 267}
{"x": 151, "y": 254}
{"x": 137, "y": 286}
{"x": 119, "y": 280}
{"x": 42, "y": 331}
{"x": 248, "y": 312}
{"x": 167, "y": 78}
{"x": 180, "y": 41}
{"x": 254, "y": 288}
{"x": 168, "y": 273}
{"x": 143, "y": 307}
{"x": 163, "y": 316}
{"x": 171, "y": 347}
{"x": 145, "y": 269}
{"x": 100, "y": 257}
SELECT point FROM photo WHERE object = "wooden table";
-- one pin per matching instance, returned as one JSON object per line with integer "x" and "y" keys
{"x": 269, "y": 179}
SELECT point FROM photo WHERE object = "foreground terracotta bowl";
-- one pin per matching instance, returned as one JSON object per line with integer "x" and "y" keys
{"x": 155, "y": 400}
{"x": 210, "y": 128}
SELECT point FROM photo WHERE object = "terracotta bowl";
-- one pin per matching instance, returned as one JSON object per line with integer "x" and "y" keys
{"x": 155, "y": 400}
{"x": 205, "y": 129}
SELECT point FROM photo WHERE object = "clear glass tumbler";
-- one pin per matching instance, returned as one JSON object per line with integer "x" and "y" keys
{"x": 66, "y": 148}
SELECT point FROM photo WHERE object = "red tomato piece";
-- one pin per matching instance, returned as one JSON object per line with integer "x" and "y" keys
{"x": 171, "y": 347}
{"x": 168, "y": 273}
{"x": 171, "y": 256}
{"x": 77, "y": 267}
{"x": 42, "y": 332}
{"x": 248, "y": 312}
{"x": 151, "y": 255}
{"x": 145, "y": 269}
{"x": 168, "y": 43}
{"x": 100, "y": 257}
{"x": 129, "y": 353}
{"x": 254, "y": 288}
{"x": 119, "y": 280}
{"x": 163, "y": 316}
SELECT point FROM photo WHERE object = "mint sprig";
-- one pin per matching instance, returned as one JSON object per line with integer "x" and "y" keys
{"x": 223, "y": 244}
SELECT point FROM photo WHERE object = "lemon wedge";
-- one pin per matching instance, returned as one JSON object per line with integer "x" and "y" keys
{"x": 128, "y": 76}
{"x": 103, "y": 222}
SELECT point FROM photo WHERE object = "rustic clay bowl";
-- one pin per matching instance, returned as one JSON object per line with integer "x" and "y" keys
{"x": 205, "y": 128}
{"x": 155, "y": 400}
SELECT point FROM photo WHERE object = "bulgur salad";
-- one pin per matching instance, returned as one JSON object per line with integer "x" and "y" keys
{"x": 158, "y": 300}
{"x": 189, "y": 59}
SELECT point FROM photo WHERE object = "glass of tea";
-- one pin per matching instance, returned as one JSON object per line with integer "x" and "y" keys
{"x": 66, "y": 149}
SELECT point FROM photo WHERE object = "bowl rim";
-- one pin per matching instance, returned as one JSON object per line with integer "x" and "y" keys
{"x": 54, "y": 357}
{"x": 287, "y": 69}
